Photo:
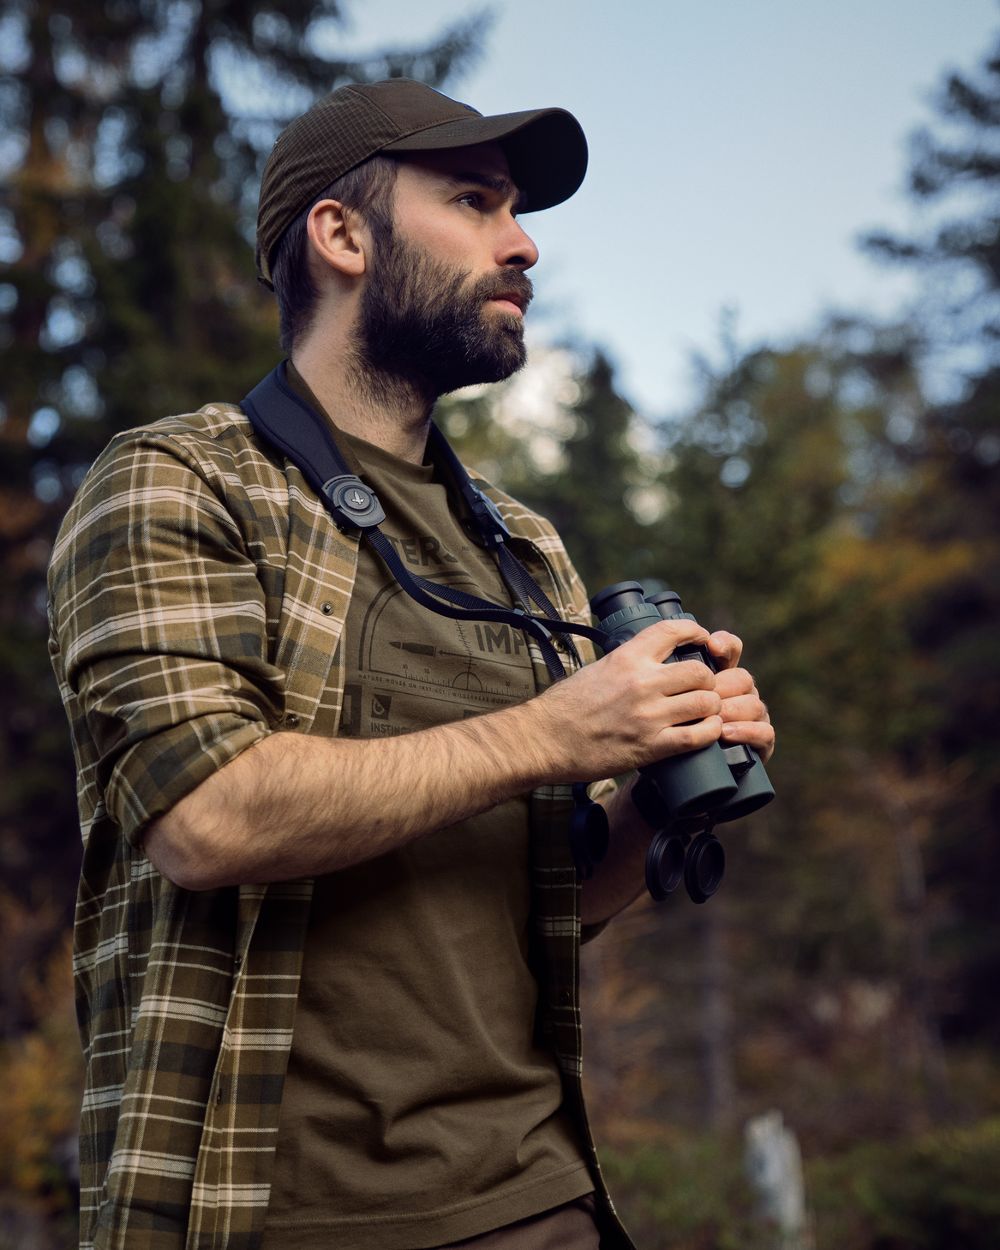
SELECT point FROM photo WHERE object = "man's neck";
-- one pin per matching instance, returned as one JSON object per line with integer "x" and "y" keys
{"x": 382, "y": 410}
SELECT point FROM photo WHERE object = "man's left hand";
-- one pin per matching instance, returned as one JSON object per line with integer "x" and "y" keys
{"x": 744, "y": 713}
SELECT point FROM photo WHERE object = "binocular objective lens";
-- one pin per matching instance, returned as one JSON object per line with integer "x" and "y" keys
{"x": 664, "y": 865}
{"x": 705, "y": 866}
{"x": 589, "y": 838}
{"x": 598, "y": 834}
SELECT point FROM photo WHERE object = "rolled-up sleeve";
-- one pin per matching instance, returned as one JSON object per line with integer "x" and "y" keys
{"x": 159, "y": 621}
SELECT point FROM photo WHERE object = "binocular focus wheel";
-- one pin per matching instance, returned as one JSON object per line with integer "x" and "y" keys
{"x": 704, "y": 867}
{"x": 664, "y": 865}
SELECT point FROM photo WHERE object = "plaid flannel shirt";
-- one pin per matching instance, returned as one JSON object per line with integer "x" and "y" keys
{"x": 198, "y": 590}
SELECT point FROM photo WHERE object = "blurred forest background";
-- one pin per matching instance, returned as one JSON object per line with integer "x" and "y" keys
{"x": 816, "y": 498}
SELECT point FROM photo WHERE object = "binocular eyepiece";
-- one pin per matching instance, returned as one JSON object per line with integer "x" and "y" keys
{"x": 683, "y": 796}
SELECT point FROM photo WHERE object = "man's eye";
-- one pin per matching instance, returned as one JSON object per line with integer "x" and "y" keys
{"x": 472, "y": 198}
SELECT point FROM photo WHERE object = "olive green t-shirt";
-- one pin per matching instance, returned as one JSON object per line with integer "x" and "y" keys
{"x": 418, "y": 1108}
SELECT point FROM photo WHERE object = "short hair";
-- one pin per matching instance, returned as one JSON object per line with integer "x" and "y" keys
{"x": 367, "y": 188}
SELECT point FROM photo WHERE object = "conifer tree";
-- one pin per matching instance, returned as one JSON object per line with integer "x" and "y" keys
{"x": 601, "y": 491}
{"x": 955, "y": 511}
{"x": 592, "y": 502}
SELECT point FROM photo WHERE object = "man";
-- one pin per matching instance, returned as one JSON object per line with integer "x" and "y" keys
{"x": 328, "y": 923}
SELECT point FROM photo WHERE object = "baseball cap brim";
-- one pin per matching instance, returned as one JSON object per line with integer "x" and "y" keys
{"x": 545, "y": 148}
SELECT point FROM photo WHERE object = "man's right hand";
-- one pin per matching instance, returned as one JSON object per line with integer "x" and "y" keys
{"x": 630, "y": 708}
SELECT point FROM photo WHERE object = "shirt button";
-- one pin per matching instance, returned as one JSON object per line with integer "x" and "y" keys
{"x": 326, "y": 608}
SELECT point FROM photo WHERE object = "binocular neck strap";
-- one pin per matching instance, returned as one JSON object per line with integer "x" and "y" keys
{"x": 282, "y": 418}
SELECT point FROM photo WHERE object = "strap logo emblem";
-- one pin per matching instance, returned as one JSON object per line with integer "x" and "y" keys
{"x": 357, "y": 499}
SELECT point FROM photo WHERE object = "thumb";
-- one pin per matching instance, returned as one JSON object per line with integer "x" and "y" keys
{"x": 662, "y": 639}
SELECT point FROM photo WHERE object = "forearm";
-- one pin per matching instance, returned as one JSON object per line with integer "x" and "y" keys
{"x": 295, "y": 805}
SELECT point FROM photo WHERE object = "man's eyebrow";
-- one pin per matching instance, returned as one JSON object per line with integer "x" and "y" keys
{"x": 499, "y": 183}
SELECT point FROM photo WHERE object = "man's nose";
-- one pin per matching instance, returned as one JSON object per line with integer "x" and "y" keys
{"x": 517, "y": 248}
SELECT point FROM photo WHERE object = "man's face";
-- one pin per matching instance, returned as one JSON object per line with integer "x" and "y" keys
{"x": 446, "y": 293}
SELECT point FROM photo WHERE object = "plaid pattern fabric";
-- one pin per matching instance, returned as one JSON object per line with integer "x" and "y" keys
{"x": 198, "y": 590}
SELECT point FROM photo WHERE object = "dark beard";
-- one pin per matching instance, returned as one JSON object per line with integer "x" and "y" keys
{"x": 423, "y": 329}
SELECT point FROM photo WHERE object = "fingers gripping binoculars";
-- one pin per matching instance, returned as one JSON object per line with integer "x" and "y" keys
{"x": 682, "y": 797}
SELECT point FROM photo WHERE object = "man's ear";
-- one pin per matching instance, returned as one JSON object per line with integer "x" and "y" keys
{"x": 337, "y": 238}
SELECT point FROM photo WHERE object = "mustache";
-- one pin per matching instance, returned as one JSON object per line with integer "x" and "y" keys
{"x": 505, "y": 282}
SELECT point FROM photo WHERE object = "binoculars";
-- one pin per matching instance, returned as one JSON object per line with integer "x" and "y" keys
{"x": 683, "y": 796}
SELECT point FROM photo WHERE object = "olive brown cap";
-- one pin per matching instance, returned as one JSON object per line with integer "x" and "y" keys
{"x": 545, "y": 148}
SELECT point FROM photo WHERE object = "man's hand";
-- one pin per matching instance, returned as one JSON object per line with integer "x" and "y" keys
{"x": 744, "y": 714}
{"x": 630, "y": 708}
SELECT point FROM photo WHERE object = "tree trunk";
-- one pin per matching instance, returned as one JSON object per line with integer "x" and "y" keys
{"x": 716, "y": 1015}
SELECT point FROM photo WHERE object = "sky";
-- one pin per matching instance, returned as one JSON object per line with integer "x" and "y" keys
{"x": 738, "y": 149}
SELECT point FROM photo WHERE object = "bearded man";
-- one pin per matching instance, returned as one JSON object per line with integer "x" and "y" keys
{"x": 328, "y": 923}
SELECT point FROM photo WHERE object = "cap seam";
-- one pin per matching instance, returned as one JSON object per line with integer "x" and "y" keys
{"x": 473, "y": 115}
{"x": 377, "y": 107}
{"x": 452, "y": 121}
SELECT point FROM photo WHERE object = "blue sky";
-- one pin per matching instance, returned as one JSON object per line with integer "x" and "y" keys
{"x": 738, "y": 148}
